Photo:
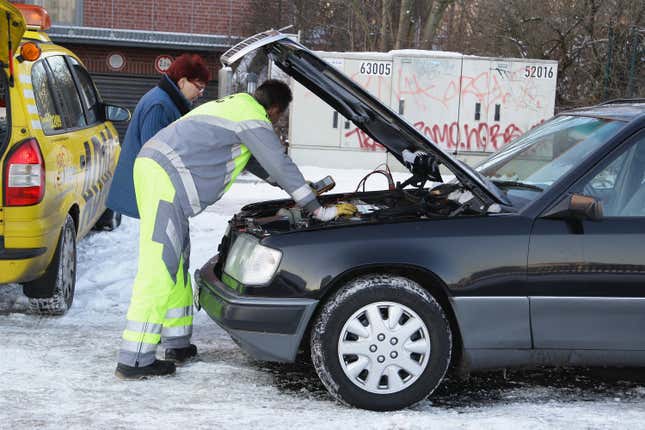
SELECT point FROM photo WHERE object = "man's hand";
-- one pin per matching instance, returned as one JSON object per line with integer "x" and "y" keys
{"x": 328, "y": 213}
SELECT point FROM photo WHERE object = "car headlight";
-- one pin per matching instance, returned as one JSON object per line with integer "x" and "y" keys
{"x": 251, "y": 263}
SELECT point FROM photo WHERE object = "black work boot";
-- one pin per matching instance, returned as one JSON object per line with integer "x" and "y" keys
{"x": 157, "y": 368}
{"x": 179, "y": 355}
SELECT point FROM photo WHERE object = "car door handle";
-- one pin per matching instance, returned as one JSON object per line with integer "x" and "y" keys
{"x": 497, "y": 112}
{"x": 334, "y": 121}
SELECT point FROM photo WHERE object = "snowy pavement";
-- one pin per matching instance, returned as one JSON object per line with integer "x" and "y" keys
{"x": 58, "y": 372}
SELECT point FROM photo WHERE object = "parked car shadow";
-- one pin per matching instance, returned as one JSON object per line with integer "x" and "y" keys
{"x": 540, "y": 385}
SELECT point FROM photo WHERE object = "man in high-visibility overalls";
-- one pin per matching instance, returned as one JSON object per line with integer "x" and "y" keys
{"x": 184, "y": 168}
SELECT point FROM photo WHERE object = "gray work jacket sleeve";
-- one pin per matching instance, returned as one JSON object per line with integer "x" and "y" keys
{"x": 261, "y": 140}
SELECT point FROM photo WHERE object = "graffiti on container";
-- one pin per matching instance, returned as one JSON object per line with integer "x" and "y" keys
{"x": 365, "y": 142}
{"x": 481, "y": 137}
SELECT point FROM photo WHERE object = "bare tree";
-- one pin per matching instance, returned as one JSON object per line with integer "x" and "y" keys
{"x": 598, "y": 43}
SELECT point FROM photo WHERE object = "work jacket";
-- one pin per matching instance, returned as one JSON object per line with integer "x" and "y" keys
{"x": 157, "y": 108}
{"x": 205, "y": 150}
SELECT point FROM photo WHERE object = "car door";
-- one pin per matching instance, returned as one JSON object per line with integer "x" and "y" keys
{"x": 587, "y": 278}
{"x": 100, "y": 142}
{"x": 84, "y": 133}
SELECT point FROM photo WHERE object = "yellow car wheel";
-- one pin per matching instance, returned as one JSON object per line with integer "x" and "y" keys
{"x": 53, "y": 293}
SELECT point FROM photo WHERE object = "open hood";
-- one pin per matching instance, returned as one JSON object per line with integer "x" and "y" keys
{"x": 12, "y": 27}
{"x": 354, "y": 103}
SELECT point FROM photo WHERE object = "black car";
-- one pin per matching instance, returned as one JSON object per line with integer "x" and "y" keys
{"x": 536, "y": 257}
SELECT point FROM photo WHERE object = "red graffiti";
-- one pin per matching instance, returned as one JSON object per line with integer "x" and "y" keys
{"x": 482, "y": 137}
{"x": 365, "y": 142}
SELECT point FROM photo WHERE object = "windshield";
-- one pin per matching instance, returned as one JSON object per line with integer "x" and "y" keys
{"x": 534, "y": 162}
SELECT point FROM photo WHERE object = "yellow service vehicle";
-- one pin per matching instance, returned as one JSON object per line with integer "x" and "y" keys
{"x": 58, "y": 151}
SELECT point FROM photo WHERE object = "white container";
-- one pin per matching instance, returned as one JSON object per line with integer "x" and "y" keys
{"x": 471, "y": 106}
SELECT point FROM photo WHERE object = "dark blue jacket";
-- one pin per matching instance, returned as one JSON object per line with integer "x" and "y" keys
{"x": 157, "y": 108}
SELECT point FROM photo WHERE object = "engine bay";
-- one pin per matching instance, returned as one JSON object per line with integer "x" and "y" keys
{"x": 441, "y": 201}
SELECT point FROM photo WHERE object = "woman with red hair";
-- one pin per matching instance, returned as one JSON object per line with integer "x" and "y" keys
{"x": 173, "y": 96}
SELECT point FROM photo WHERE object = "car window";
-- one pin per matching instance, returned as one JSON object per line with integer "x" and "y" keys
{"x": 50, "y": 115}
{"x": 67, "y": 91}
{"x": 620, "y": 185}
{"x": 545, "y": 154}
{"x": 87, "y": 90}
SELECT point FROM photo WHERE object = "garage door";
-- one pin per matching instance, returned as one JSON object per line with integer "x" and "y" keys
{"x": 126, "y": 90}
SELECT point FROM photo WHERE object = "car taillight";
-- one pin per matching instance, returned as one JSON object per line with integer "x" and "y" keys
{"x": 24, "y": 175}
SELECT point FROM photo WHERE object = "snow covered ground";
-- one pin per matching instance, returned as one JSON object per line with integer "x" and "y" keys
{"x": 58, "y": 372}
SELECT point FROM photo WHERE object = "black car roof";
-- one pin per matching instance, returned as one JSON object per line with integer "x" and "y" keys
{"x": 621, "y": 110}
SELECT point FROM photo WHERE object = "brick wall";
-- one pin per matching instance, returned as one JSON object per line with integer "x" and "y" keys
{"x": 221, "y": 17}
{"x": 138, "y": 61}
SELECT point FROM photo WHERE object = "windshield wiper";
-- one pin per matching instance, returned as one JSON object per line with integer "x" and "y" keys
{"x": 516, "y": 184}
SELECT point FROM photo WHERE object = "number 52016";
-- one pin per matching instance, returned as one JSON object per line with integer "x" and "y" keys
{"x": 545, "y": 72}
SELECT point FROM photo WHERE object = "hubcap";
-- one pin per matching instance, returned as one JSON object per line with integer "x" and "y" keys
{"x": 67, "y": 268}
{"x": 402, "y": 353}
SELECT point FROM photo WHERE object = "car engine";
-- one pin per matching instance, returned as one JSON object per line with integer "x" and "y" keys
{"x": 444, "y": 200}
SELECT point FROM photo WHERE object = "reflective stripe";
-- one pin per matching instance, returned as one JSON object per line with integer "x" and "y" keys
{"x": 171, "y": 232}
{"x": 251, "y": 124}
{"x": 184, "y": 173}
{"x": 179, "y": 312}
{"x": 36, "y": 124}
{"x": 32, "y": 109}
{"x": 186, "y": 330}
{"x": 134, "y": 359}
{"x": 236, "y": 151}
{"x": 29, "y": 94}
{"x": 25, "y": 79}
{"x": 142, "y": 327}
{"x": 141, "y": 347}
{"x": 217, "y": 121}
{"x": 302, "y": 193}
{"x": 230, "y": 166}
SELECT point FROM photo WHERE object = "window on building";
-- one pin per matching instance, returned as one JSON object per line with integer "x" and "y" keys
{"x": 64, "y": 12}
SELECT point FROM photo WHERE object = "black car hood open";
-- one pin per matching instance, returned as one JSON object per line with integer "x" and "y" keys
{"x": 354, "y": 103}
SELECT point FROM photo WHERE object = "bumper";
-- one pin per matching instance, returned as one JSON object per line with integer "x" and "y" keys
{"x": 17, "y": 263}
{"x": 268, "y": 329}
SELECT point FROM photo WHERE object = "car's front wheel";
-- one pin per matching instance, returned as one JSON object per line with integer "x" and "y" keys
{"x": 381, "y": 342}
{"x": 53, "y": 293}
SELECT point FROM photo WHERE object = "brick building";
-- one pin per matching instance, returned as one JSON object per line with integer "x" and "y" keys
{"x": 125, "y": 43}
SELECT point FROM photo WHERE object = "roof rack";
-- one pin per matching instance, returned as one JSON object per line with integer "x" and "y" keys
{"x": 616, "y": 101}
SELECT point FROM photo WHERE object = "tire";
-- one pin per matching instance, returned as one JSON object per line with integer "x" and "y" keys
{"x": 53, "y": 293}
{"x": 372, "y": 298}
{"x": 109, "y": 221}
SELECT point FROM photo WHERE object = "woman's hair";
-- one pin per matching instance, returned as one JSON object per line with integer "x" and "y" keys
{"x": 189, "y": 66}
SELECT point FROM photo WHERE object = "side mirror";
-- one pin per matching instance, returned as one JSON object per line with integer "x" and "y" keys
{"x": 576, "y": 207}
{"x": 116, "y": 113}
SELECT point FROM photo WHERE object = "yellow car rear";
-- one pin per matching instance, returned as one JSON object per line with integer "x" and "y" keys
{"x": 58, "y": 151}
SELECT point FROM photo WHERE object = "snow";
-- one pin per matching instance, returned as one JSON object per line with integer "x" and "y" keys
{"x": 58, "y": 372}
